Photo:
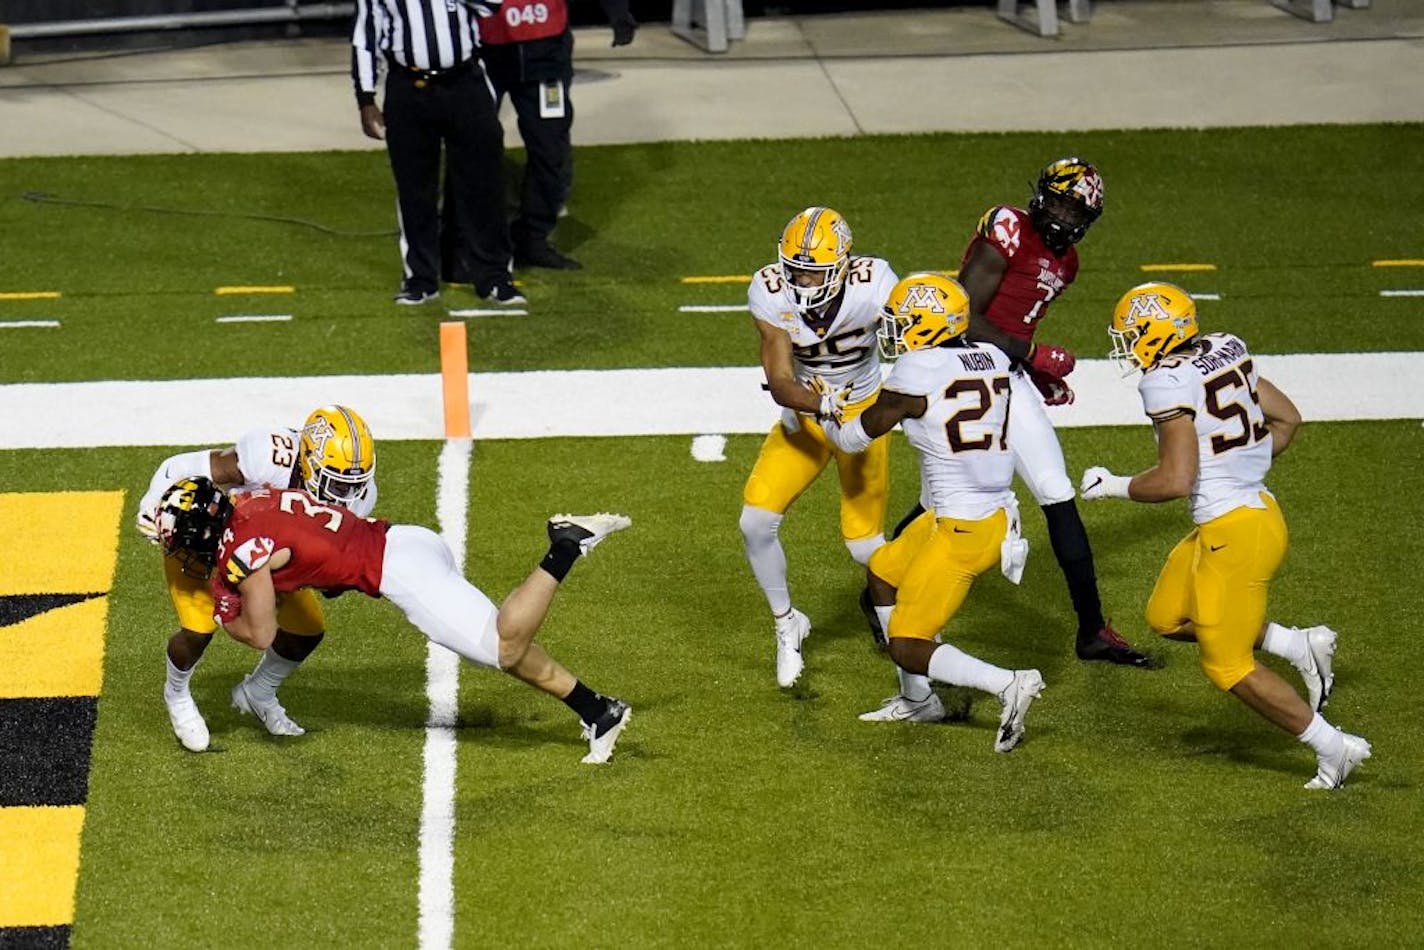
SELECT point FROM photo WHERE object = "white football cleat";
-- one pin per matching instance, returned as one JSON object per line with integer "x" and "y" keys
{"x": 271, "y": 713}
{"x": 1331, "y": 770}
{"x": 603, "y": 733}
{"x": 586, "y": 530}
{"x": 900, "y": 709}
{"x": 790, "y": 631}
{"x": 1017, "y": 697}
{"x": 188, "y": 724}
{"x": 1318, "y": 671}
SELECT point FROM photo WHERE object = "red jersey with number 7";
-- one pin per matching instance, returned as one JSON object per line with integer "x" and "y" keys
{"x": 332, "y": 549}
{"x": 1035, "y": 274}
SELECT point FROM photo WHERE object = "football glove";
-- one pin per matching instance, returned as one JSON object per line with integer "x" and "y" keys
{"x": 227, "y": 603}
{"x": 1055, "y": 392}
{"x": 147, "y": 523}
{"x": 1049, "y": 360}
{"x": 1098, "y": 483}
{"x": 833, "y": 401}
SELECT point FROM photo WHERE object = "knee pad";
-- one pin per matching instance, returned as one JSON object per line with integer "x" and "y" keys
{"x": 758, "y": 525}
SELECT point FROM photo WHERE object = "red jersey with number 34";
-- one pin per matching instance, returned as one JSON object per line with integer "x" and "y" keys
{"x": 1035, "y": 275}
{"x": 332, "y": 549}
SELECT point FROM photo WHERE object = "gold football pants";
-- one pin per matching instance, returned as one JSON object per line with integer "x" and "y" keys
{"x": 932, "y": 564}
{"x": 789, "y": 463}
{"x": 297, "y": 612}
{"x": 1217, "y": 578}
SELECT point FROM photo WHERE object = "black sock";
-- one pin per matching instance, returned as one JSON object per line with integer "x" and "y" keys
{"x": 584, "y": 701}
{"x": 1075, "y": 557}
{"x": 561, "y": 557}
{"x": 913, "y": 513}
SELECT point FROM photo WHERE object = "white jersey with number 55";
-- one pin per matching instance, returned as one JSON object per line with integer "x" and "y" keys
{"x": 966, "y": 466}
{"x": 1215, "y": 383}
{"x": 838, "y": 345}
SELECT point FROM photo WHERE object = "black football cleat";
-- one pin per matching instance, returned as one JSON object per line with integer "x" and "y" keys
{"x": 1107, "y": 645}
{"x": 877, "y": 632}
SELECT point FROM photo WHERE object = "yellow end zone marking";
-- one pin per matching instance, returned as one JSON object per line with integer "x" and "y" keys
{"x": 29, "y": 295}
{"x": 725, "y": 279}
{"x": 56, "y": 653}
{"x": 275, "y": 289}
{"x": 39, "y": 864}
{"x": 1180, "y": 268}
{"x": 1402, "y": 262}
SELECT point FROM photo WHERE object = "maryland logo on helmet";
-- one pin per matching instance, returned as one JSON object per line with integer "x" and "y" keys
{"x": 815, "y": 255}
{"x": 924, "y": 310}
{"x": 1150, "y": 321}
{"x": 1073, "y": 178}
{"x": 337, "y": 456}
{"x": 191, "y": 517}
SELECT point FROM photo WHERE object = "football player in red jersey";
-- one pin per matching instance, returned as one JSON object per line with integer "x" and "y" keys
{"x": 1017, "y": 263}
{"x": 272, "y": 541}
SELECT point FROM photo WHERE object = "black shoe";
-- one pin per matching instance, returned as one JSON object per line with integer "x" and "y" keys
{"x": 543, "y": 255}
{"x": 502, "y": 292}
{"x": 408, "y": 296}
{"x": 877, "y": 633}
{"x": 1107, "y": 645}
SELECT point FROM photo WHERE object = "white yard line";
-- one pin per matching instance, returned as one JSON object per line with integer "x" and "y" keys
{"x": 619, "y": 402}
{"x": 712, "y": 308}
{"x": 1402, "y": 293}
{"x": 23, "y": 324}
{"x": 255, "y": 318}
{"x": 442, "y": 687}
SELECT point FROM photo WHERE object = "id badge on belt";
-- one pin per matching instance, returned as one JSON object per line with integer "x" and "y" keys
{"x": 551, "y": 99}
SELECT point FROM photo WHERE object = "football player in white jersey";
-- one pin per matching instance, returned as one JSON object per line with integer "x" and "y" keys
{"x": 816, "y": 311}
{"x": 1218, "y": 425}
{"x": 332, "y": 456}
{"x": 951, "y": 396}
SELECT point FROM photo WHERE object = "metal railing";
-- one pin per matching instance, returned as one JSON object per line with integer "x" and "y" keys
{"x": 292, "y": 12}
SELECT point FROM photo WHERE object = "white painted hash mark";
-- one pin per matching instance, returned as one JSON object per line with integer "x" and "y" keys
{"x": 709, "y": 448}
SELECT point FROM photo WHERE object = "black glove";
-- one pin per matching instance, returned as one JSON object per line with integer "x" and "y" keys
{"x": 623, "y": 30}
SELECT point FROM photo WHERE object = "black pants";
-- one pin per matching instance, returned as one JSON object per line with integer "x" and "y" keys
{"x": 548, "y": 164}
{"x": 459, "y": 114}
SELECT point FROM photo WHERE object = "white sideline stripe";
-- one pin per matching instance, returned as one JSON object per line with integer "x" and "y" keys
{"x": 19, "y": 324}
{"x": 442, "y": 687}
{"x": 503, "y": 312}
{"x": 254, "y": 318}
{"x": 1206, "y": 296}
{"x": 709, "y": 448}
{"x": 619, "y": 402}
{"x": 712, "y": 308}
{"x": 1402, "y": 293}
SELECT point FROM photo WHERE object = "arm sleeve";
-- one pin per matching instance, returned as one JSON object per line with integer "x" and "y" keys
{"x": 365, "y": 503}
{"x": 184, "y": 465}
{"x": 850, "y": 437}
{"x": 365, "y": 54}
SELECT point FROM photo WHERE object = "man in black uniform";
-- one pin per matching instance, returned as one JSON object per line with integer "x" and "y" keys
{"x": 436, "y": 95}
{"x": 528, "y": 51}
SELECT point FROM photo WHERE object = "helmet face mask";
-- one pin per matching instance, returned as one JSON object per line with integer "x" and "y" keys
{"x": 1149, "y": 322}
{"x": 924, "y": 310}
{"x": 1066, "y": 201}
{"x": 814, "y": 254}
{"x": 191, "y": 519}
{"x": 338, "y": 456}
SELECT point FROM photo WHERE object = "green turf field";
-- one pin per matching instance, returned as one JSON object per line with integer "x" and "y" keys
{"x": 1143, "y": 806}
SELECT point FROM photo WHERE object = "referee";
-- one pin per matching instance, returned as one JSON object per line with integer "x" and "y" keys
{"x": 436, "y": 94}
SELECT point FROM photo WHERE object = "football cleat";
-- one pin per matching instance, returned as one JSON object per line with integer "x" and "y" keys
{"x": 1331, "y": 770}
{"x": 587, "y": 531}
{"x": 900, "y": 709}
{"x": 1016, "y": 697}
{"x": 1318, "y": 671}
{"x": 790, "y": 631}
{"x": 1109, "y": 646}
{"x": 411, "y": 297}
{"x": 188, "y": 724}
{"x": 877, "y": 633}
{"x": 603, "y": 732}
{"x": 503, "y": 292}
{"x": 270, "y": 713}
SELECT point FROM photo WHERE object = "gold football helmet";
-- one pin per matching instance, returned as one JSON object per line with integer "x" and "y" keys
{"x": 337, "y": 459}
{"x": 815, "y": 255}
{"x": 923, "y": 310}
{"x": 1150, "y": 321}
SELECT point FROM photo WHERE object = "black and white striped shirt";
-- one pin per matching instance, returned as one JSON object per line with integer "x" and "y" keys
{"x": 418, "y": 34}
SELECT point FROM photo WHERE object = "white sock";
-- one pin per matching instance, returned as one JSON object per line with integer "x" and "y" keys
{"x": 883, "y": 615}
{"x": 1324, "y": 738}
{"x": 766, "y": 556}
{"x": 951, "y": 665}
{"x": 913, "y": 686}
{"x": 262, "y": 683}
{"x": 176, "y": 683}
{"x": 862, "y": 549}
{"x": 1288, "y": 643}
